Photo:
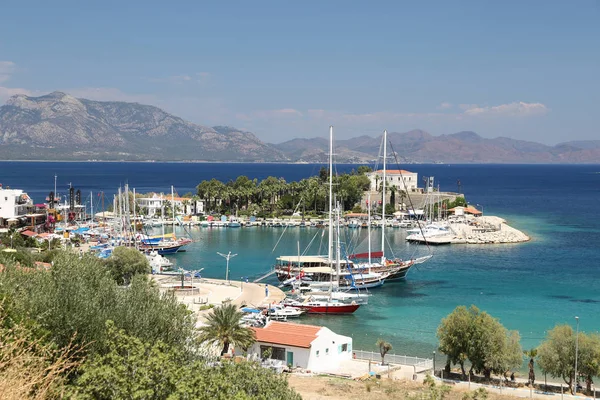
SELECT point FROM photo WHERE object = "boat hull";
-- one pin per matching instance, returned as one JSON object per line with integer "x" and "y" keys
{"x": 330, "y": 309}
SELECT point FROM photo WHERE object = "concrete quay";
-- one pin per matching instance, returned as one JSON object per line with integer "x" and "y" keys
{"x": 200, "y": 294}
{"x": 482, "y": 230}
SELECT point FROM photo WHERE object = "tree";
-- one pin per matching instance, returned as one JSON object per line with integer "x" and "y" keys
{"x": 556, "y": 354}
{"x": 223, "y": 327}
{"x": 531, "y": 354}
{"x": 384, "y": 348}
{"x": 136, "y": 369}
{"x": 363, "y": 169}
{"x": 454, "y": 335}
{"x": 73, "y": 301}
{"x": 589, "y": 358}
{"x": 125, "y": 262}
{"x": 474, "y": 335}
{"x": 130, "y": 369}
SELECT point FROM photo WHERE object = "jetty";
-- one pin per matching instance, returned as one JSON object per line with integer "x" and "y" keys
{"x": 483, "y": 230}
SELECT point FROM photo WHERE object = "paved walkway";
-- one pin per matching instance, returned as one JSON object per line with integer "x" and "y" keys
{"x": 203, "y": 292}
{"x": 523, "y": 392}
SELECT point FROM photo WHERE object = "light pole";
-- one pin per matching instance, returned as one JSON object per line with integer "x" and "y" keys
{"x": 434, "y": 363}
{"x": 576, "y": 351}
{"x": 479, "y": 205}
{"x": 227, "y": 256}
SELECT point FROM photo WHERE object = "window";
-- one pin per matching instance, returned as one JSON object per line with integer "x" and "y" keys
{"x": 317, "y": 353}
{"x": 327, "y": 351}
{"x": 277, "y": 353}
{"x": 345, "y": 347}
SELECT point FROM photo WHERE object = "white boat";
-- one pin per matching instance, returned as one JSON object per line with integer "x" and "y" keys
{"x": 280, "y": 311}
{"x": 157, "y": 262}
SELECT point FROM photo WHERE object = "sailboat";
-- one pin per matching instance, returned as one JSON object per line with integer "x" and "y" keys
{"x": 329, "y": 304}
{"x": 393, "y": 269}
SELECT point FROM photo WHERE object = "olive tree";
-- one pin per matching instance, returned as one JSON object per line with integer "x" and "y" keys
{"x": 125, "y": 262}
{"x": 476, "y": 336}
{"x": 556, "y": 354}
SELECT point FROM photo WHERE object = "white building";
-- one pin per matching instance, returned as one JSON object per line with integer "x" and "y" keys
{"x": 14, "y": 204}
{"x": 310, "y": 347}
{"x": 184, "y": 205}
{"x": 403, "y": 180}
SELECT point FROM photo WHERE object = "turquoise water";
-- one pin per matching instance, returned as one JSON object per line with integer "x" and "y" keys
{"x": 530, "y": 287}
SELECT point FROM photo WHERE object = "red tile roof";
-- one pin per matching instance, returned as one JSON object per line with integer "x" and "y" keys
{"x": 28, "y": 233}
{"x": 287, "y": 334}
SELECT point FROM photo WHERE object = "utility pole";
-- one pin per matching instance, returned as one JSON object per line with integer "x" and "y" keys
{"x": 227, "y": 256}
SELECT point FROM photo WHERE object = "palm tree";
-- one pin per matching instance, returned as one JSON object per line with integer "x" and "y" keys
{"x": 223, "y": 327}
{"x": 384, "y": 347}
{"x": 531, "y": 354}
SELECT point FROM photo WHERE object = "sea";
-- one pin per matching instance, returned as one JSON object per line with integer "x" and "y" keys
{"x": 529, "y": 287}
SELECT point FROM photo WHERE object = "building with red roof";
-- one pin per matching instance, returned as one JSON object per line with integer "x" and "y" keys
{"x": 305, "y": 346}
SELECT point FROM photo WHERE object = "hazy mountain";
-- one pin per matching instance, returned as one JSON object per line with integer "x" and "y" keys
{"x": 418, "y": 146}
{"x": 59, "y": 126}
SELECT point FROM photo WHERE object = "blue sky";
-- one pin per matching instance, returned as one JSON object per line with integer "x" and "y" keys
{"x": 520, "y": 69}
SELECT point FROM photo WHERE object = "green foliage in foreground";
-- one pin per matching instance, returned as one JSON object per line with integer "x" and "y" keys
{"x": 474, "y": 335}
{"x": 134, "y": 369}
{"x": 73, "y": 301}
{"x": 81, "y": 335}
{"x": 125, "y": 263}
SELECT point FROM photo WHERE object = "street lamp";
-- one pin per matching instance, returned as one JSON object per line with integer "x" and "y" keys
{"x": 479, "y": 205}
{"x": 227, "y": 256}
{"x": 576, "y": 351}
{"x": 434, "y": 363}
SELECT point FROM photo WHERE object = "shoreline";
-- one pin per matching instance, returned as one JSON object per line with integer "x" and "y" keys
{"x": 492, "y": 230}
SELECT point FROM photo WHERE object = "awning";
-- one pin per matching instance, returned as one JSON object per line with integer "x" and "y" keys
{"x": 28, "y": 233}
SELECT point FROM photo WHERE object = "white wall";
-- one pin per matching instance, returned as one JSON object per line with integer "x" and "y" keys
{"x": 410, "y": 180}
{"x": 327, "y": 360}
{"x": 301, "y": 355}
{"x": 8, "y": 203}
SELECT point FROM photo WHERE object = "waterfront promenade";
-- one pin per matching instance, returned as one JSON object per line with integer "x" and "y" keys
{"x": 199, "y": 294}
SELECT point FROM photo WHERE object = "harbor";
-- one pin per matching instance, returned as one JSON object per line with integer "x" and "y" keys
{"x": 471, "y": 271}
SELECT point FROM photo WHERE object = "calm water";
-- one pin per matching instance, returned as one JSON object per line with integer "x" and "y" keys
{"x": 530, "y": 287}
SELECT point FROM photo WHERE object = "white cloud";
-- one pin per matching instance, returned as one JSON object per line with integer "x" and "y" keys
{"x": 7, "y": 68}
{"x": 515, "y": 109}
{"x": 444, "y": 106}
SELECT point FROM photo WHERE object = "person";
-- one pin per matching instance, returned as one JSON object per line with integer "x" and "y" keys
{"x": 267, "y": 290}
{"x": 512, "y": 377}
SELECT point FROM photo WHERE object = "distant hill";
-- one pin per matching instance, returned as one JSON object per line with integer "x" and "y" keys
{"x": 418, "y": 146}
{"x": 58, "y": 126}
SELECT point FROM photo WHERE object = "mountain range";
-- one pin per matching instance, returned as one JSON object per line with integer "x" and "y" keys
{"x": 58, "y": 126}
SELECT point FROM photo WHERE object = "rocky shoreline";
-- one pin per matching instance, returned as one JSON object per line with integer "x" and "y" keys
{"x": 487, "y": 230}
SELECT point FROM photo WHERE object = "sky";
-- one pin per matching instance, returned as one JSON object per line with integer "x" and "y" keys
{"x": 527, "y": 70}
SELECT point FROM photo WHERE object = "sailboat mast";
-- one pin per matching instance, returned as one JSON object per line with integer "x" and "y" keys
{"x": 173, "y": 206}
{"x": 383, "y": 197}
{"x": 369, "y": 225}
{"x": 337, "y": 241}
{"x": 330, "y": 221}
{"x": 92, "y": 206}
